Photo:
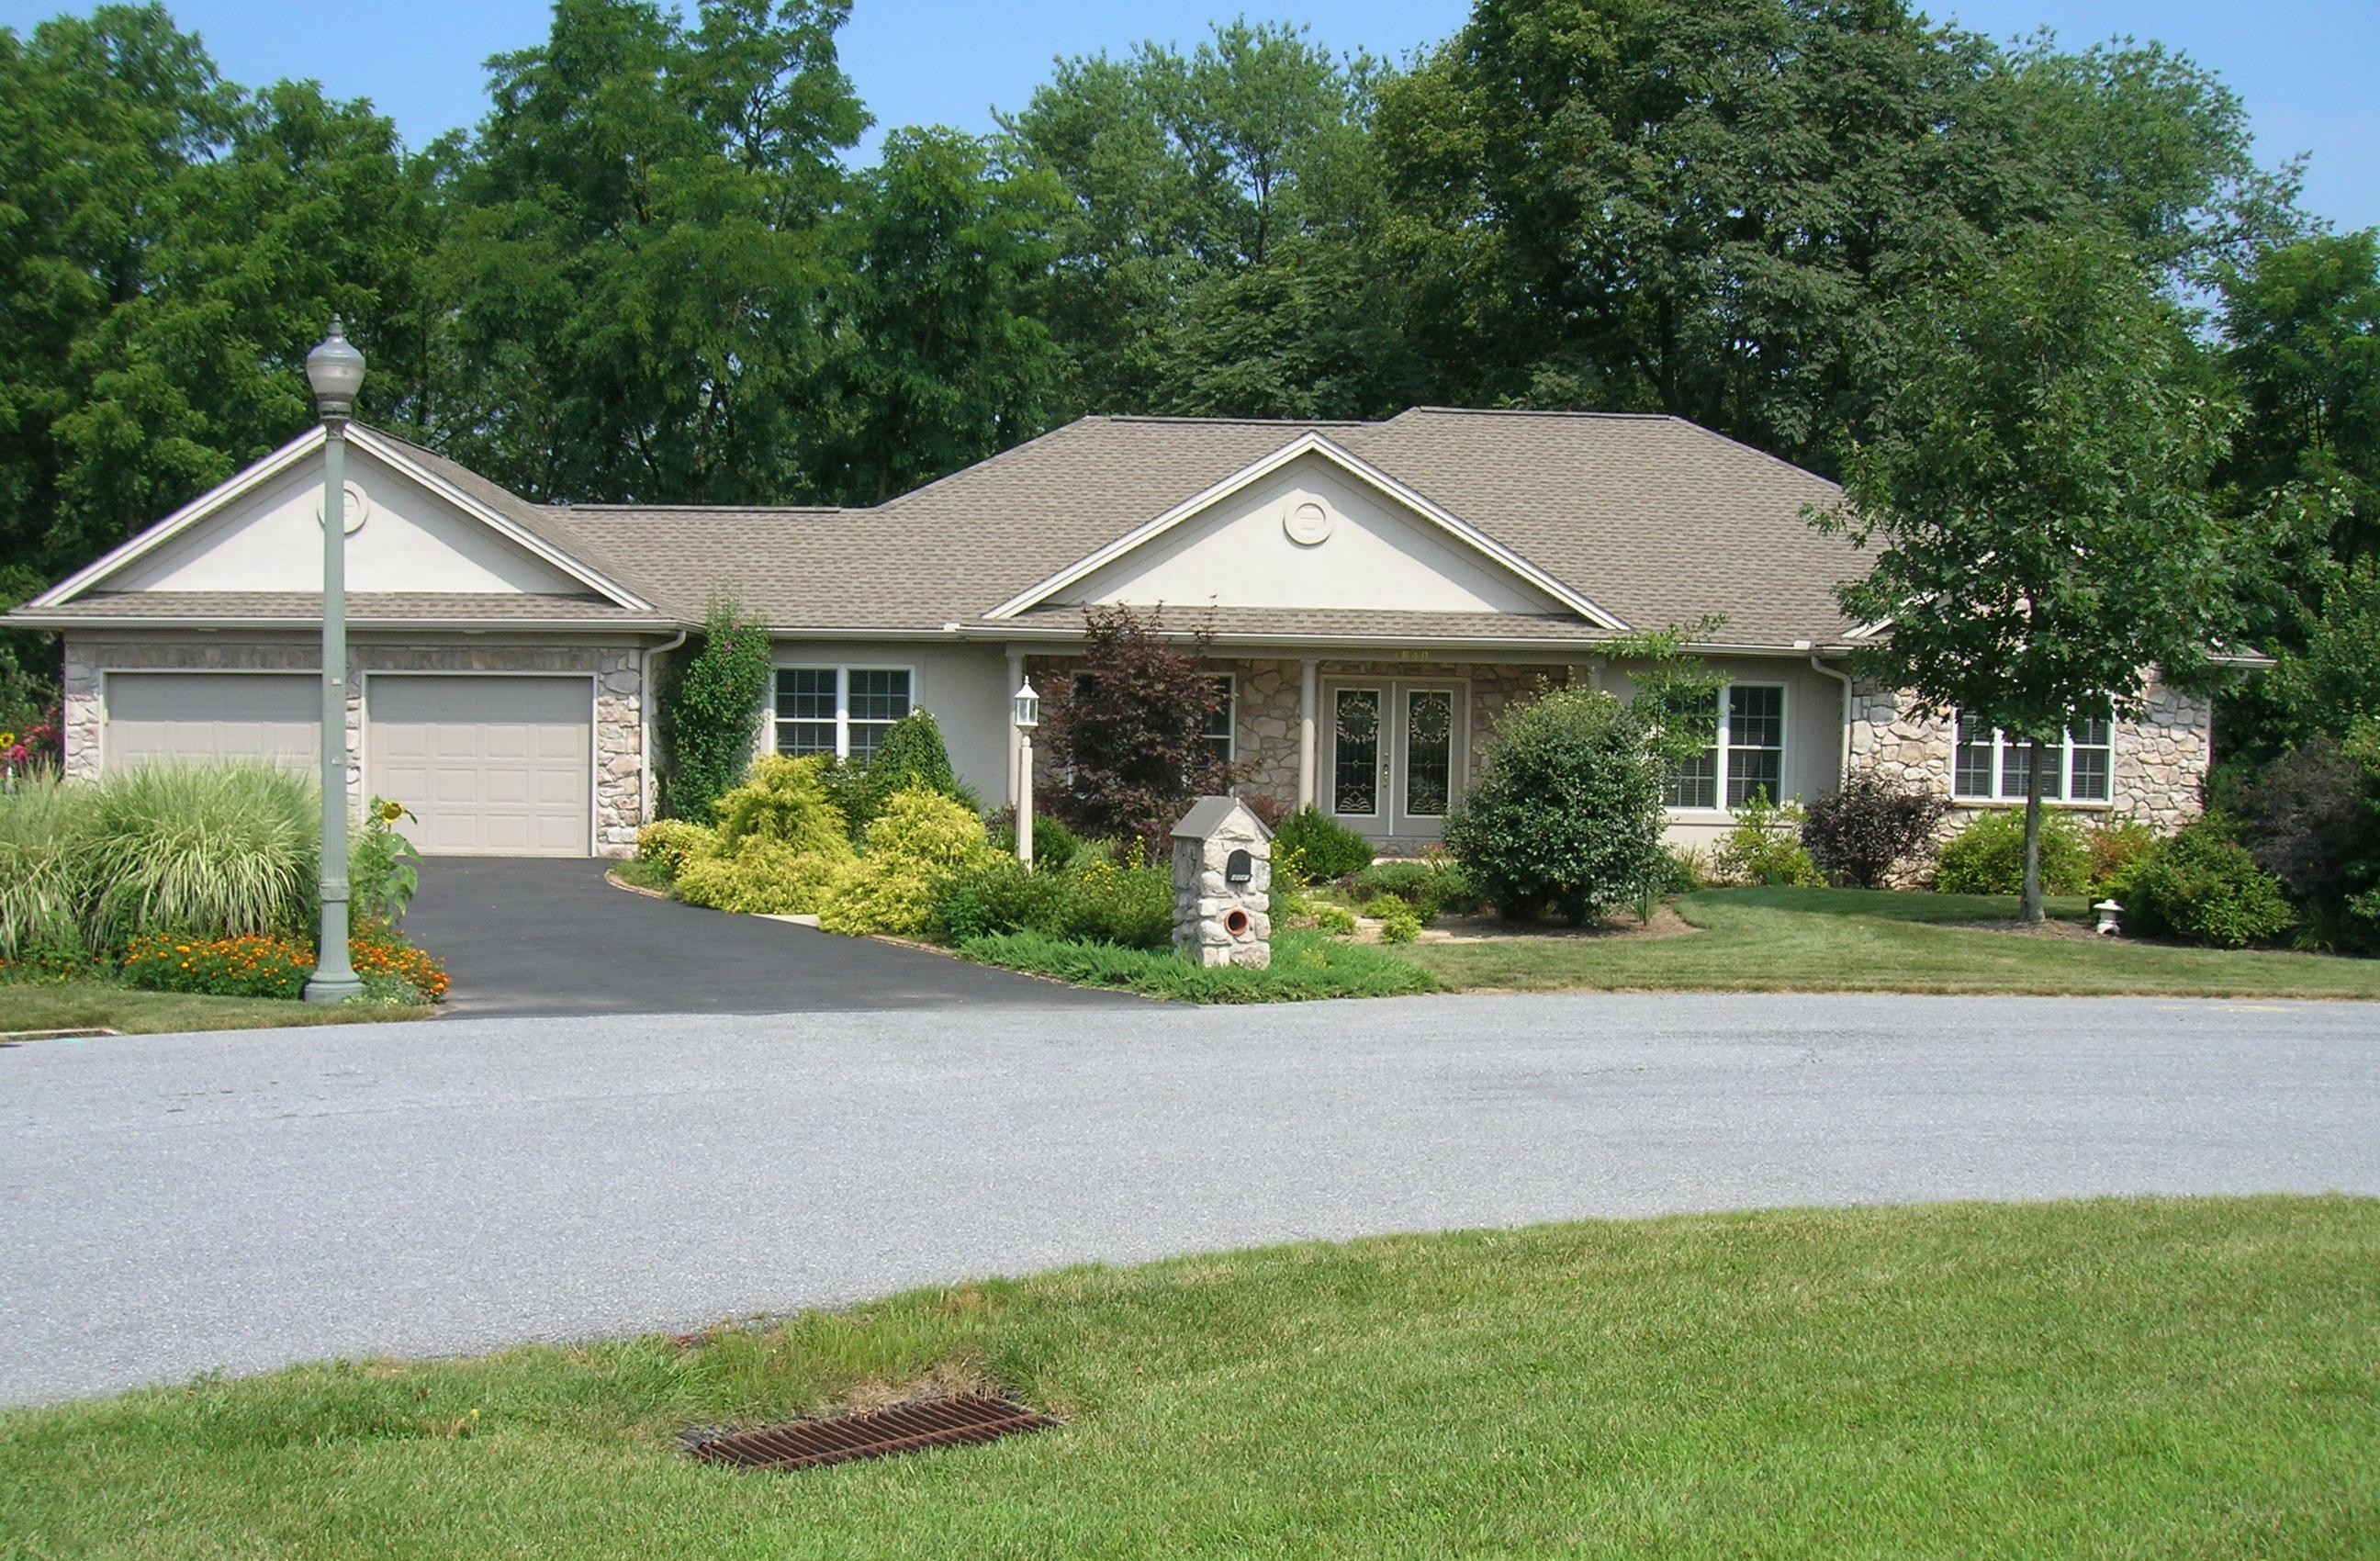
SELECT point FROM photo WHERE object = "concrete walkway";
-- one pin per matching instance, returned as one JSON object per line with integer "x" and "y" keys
{"x": 171, "y": 1205}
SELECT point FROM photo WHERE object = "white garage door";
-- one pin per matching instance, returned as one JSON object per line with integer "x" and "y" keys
{"x": 276, "y": 715}
{"x": 490, "y": 766}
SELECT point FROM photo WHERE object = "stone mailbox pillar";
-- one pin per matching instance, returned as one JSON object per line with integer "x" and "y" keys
{"x": 1223, "y": 884}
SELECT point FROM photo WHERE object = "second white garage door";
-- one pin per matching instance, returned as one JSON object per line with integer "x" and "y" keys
{"x": 490, "y": 766}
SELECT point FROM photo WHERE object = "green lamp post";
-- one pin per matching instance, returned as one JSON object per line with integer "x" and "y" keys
{"x": 335, "y": 369}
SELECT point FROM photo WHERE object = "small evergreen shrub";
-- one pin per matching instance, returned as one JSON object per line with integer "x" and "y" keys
{"x": 920, "y": 840}
{"x": 1763, "y": 849}
{"x": 763, "y": 878}
{"x": 2202, "y": 887}
{"x": 1567, "y": 810}
{"x": 672, "y": 842}
{"x": 1054, "y": 845}
{"x": 1328, "y": 850}
{"x": 1432, "y": 888}
{"x": 782, "y": 800}
{"x": 1987, "y": 856}
{"x": 710, "y": 710}
{"x": 1399, "y": 923}
{"x": 1862, "y": 832}
{"x": 1334, "y": 921}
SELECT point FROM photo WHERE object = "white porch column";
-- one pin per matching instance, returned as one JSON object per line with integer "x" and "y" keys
{"x": 1015, "y": 739}
{"x": 1307, "y": 671}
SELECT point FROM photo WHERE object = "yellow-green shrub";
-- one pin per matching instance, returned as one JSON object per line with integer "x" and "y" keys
{"x": 913, "y": 846}
{"x": 674, "y": 841}
{"x": 763, "y": 878}
{"x": 782, "y": 800}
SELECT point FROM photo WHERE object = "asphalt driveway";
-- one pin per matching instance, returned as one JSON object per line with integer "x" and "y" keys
{"x": 550, "y": 938}
{"x": 172, "y": 1204}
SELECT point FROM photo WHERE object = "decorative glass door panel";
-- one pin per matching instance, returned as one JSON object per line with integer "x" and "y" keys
{"x": 1429, "y": 752}
{"x": 1356, "y": 752}
{"x": 1394, "y": 763}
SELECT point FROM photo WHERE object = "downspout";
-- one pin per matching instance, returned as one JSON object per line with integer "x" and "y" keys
{"x": 1843, "y": 761}
{"x": 652, "y": 723}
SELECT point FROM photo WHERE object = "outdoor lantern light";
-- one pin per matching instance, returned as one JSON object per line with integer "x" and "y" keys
{"x": 1025, "y": 709}
{"x": 335, "y": 369}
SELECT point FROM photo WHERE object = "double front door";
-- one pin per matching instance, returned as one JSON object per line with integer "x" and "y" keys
{"x": 1394, "y": 754}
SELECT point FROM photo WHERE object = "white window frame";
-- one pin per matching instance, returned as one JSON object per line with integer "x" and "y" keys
{"x": 1230, "y": 733}
{"x": 842, "y": 718}
{"x": 2063, "y": 797}
{"x": 1722, "y": 747}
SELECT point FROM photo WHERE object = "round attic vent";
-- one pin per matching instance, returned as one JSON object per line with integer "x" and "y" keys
{"x": 358, "y": 508}
{"x": 1307, "y": 521}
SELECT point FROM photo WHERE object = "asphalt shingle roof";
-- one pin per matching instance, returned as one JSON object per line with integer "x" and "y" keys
{"x": 1653, "y": 519}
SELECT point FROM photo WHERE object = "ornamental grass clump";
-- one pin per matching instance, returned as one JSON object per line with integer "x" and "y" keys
{"x": 45, "y": 878}
{"x": 919, "y": 842}
{"x": 219, "y": 849}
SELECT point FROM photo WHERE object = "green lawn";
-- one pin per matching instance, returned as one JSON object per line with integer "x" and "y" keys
{"x": 2141, "y": 1378}
{"x": 81, "y": 1005}
{"x": 1858, "y": 940}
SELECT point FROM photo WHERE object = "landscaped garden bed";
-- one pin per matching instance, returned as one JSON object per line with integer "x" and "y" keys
{"x": 184, "y": 896}
{"x": 2113, "y": 1377}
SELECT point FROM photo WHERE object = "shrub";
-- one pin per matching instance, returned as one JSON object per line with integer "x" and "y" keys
{"x": 1128, "y": 724}
{"x": 2312, "y": 819}
{"x": 1861, "y": 833}
{"x": 1335, "y": 921}
{"x": 258, "y": 965}
{"x": 1304, "y": 965}
{"x": 711, "y": 708}
{"x": 1327, "y": 849}
{"x": 211, "y": 851}
{"x": 920, "y": 840}
{"x": 1054, "y": 845}
{"x": 782, "y": 800}
{"x": 672, "y": 842}
{"x": 35, "y": 963}
{"x": 1100, "y": 902}
{"x": 1987, "y": 856}
{"x": 1433, "y": 888}
{"x": 2116, "y": 847}
{"x": 1683, "y": 873}
{"x": 1567, "y": 810}
{"x": 1764, "y": 850}
{"x": 1130, "y": 907}
{"x": 2202, "y": 887}
{"x": 763, "y": 878}
{"x": 1399, "y": 923}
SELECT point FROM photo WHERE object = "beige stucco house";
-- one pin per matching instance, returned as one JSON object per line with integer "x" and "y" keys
{"x": 1375, "y": 593}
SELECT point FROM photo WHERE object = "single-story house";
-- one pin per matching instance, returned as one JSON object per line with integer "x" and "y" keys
{"x": 1377, "y": 594}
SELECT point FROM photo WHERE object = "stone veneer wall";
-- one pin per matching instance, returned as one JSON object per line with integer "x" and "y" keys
{"x": 2160, "y": 763}
{"x": 619, "y": 699}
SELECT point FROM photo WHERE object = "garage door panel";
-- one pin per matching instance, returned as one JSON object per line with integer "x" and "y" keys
{"x": 490, "y": 766}
{"x": 275, "y": 717}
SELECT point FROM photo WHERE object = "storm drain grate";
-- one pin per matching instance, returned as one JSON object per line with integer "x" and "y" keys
{"x": 875, "y": 1434}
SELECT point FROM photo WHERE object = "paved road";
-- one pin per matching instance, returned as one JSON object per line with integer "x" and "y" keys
{"x": 171, "y": 1205}
{"x": 521, "y": 936}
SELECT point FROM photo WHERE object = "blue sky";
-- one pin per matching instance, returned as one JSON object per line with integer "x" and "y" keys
{"x": 2303, "y": 66}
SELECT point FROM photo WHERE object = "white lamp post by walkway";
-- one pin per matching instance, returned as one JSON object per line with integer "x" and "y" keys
{"x": 335, "y": 369}
{"x": 1026, "y": 711}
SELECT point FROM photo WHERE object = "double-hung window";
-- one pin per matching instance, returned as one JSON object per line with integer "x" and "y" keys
{"x": 1995, "y": 766}
{"x": 840, "y": 712}
{"x": 1746, "y": 755}
{"x": 1216, "y": 733}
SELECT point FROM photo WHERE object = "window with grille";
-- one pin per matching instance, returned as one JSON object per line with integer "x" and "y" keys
{"x": 840, "y": 711}
{"x": 1995, "y": 766}
{"x": 1746, "y": 755}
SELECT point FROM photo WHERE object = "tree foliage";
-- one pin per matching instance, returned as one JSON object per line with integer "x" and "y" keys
{"x": 1126, "y": 728}
{"x": 2036, "y": 497}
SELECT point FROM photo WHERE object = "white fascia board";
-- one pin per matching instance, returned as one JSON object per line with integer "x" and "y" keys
{"x": 1355, "y": 466}
{"x": 181, "y": 520}
{"x": 497, "y": 521}
{"x": 25, "y": 618}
